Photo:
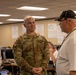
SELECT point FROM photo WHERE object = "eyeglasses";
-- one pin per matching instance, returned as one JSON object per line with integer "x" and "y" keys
{"x": 62, "y": 20}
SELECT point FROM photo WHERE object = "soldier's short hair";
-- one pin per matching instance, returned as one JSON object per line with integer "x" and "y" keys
{"x": 26, "y": 19}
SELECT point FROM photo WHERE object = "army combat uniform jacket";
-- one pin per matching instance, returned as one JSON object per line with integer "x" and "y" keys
{"x": 31, "y": 51}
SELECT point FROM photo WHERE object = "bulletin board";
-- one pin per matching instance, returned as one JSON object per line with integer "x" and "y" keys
{"x": 48, "y": 28}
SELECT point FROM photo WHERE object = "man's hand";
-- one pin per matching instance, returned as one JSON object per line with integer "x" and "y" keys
{"x": 37, "y": 71}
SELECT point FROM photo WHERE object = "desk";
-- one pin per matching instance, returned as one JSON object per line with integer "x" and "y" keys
{"x": 9, "y": 64}
{"x": 49, "y": 69}
{"x": 11, "y": 67}
{"x": 52, "y": 70}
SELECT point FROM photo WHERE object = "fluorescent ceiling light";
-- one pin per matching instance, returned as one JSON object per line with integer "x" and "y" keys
{"x": 1, "y": 22}
{"x": 75, "y": 11}
{"x": 4, "y": 15}
{"x": 23, "y": 19}
{"x": 32, "y": 8}
{"x": 38, "y": 16}
{"x": 15, "y": 20}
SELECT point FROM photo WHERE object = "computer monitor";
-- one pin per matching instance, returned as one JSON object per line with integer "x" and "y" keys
{"x": 7, "y": 54}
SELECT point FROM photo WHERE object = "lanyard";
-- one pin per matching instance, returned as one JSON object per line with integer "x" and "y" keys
{"x": 67, "y": 36}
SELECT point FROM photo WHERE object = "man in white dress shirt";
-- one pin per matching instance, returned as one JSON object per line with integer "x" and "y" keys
{"x": 66, "y": 61}
{"x": 0, "y": 57}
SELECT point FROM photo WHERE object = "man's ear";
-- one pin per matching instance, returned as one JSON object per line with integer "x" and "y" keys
{"x": 24, "y": 25}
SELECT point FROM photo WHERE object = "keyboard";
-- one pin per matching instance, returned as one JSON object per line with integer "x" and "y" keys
{"x": 8, "y": 61}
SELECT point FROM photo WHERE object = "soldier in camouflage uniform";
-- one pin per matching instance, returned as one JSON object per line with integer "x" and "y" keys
{"x": 31, "y": 50}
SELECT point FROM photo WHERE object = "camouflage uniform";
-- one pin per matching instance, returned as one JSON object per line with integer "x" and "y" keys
{"x": 31, "y": 51}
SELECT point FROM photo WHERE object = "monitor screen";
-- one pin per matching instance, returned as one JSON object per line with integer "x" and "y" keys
{"x": 7, "y": 53}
